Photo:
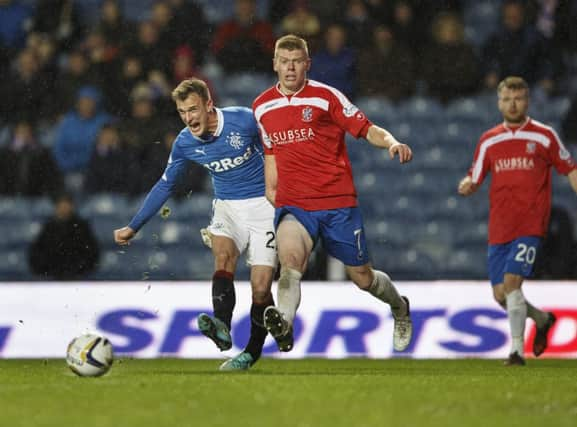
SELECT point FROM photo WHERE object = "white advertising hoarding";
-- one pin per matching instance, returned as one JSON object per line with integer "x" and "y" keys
{"x": 335, "y": 320}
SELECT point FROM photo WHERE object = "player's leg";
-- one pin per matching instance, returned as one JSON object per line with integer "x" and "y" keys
{"x": 227, "y": 240}
{"x": 217, "y": 327}
{"x": 262, "y": 257}
{"x": 226, "y": 255}
{"x": 379, "y": 285}
{"x": 261, "y": 277}
{"x": 544, "y": 321}
{"x": 519, "y": 258}
{"x": 294, "y": 244}
{"x": 344, "y": 238}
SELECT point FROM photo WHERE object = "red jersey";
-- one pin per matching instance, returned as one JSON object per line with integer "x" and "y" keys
{"x": 520, "y": 162}
{"x": 306, "y": 134}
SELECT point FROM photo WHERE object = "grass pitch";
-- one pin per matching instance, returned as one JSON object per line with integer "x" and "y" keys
{"x": 296, "y": 393}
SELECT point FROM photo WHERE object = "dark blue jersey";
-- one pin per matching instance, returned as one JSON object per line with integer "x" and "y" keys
{"x": 233, "y": 157}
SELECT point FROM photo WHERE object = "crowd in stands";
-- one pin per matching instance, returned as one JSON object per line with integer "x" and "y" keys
{"x": 85, "y": 85}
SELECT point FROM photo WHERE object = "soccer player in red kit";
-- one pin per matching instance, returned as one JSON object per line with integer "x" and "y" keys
{"x": 309, "y": 181}
{"x": 519, "y": 153}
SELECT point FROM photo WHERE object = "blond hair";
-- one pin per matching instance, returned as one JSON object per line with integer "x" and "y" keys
{"x": 513, "y": 83}
{"x": 189, "y": 86}
{"x": 291, "y": 42}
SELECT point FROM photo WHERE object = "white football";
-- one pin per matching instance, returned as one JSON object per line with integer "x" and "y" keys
{"x": 89, "y": 355}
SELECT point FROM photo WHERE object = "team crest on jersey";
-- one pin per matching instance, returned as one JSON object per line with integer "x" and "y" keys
{"x": 235, "y": 140}
{"x": 307, "y": 114}
{"x": 350, "y": 110}
{"x": 531, "y": 147}
{"x": 564, "y": 154}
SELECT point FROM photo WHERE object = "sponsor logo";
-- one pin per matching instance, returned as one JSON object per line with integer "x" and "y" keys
{"x": 291, "y": 136}
{"x": 470, "y": 331}
{"x": 200, "y": 151}
{"x": 307, "y": 114}
{"x": 514, "y": 163}
{"x": 223, "y": 165}
{"x": 235, "y": 140}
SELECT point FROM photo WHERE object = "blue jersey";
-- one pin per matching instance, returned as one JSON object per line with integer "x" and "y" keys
{"x": 233, "y": 157}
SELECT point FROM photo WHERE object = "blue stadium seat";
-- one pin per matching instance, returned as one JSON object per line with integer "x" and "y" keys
{"x": 384, "y": 232}
{"x": 468, "y": 263}
{"x": 409, "y": 264}
{"x": 468, "y": 109}
{"x": 18, "y": 233}
{"x": 15, "y": 208}
{"x": 378, "y": 109}
{"x": 421, "y": 108}
{"x": 14, "y": 265}
{"x": 104, "y": 205}
{"x": 244, "y": 86}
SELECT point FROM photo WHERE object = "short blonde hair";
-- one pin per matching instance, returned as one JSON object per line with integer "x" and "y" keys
{"x": 291, "y": 42}
{"x": 513, "y": 83}
{"x": 190, "y": 86}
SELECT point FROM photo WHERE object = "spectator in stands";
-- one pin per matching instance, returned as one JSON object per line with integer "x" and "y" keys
{"x": 26, "y": 167}
{"x": 188, "y": 27}
{"x": 104, "y": 56}
{"x": 23, "y": 93}
{"x": 153, "y": 164}
{"x": 113, "y": 165}
{"x": 75, "y": 73}
{"x": 114, "y": 28}
{"x": 142, "y": 127}
{"x": 120, "y": 85}
{"x": 335, "y": 63}
{"x": 60, "y": 20}
{"x": 302, "y": 22}
{"x": 517, "y": 49}
{"x": 244, "y": 43}
{"x": 14, "y": 25}
{"x": 449, "y": 66}
{"x": 569, "y": 124}
{"x": 153, "y": 54}
{"x": 76, "y": 133}
{"x": 358, "y": 23}
{"x": 407, "y": 27}
{"x": 160, "y": 17}
{"x": 386, "y": 67}
{"x": 557, "y": 257}
{"x": 66, "y": 248}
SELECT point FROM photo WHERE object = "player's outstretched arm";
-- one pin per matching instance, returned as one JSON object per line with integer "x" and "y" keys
{"x": 123, "y": 235}
{"x": 573, "y": 179}
{"x": 382, "y": 138}
{"x": 467, "y": 187}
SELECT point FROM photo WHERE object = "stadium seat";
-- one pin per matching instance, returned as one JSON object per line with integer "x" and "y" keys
{"x": 421, "y": 108}
{"x": 104, "y": 205}
{"x": 245, "y": 85}
{"x": 378, "y": 109}
{"x": 19, "y": 233}
{"x": 409, "y": 264}
{"x": 466, "y": 264}
{"x": 14, "y": 266}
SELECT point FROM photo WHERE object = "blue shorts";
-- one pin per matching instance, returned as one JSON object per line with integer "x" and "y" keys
{"x": 341, "y": 231}
{"x": 515, "y": 257}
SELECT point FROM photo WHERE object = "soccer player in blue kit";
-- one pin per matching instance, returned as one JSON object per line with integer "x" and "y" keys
{"x": 226, "y": 142}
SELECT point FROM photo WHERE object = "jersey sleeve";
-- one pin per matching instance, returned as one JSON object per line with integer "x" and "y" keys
{"x": 481, "y": 164}
{"x": 560, "y": 156}
{"x": 346, "y": 115}
{"x": 162, "y": 190}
